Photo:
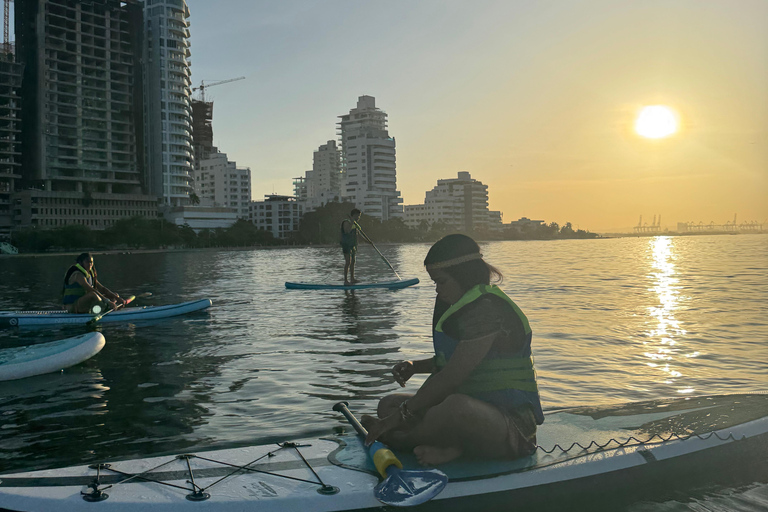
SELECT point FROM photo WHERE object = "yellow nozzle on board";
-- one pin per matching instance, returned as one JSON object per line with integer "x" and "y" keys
{"x": 384, "y": 458}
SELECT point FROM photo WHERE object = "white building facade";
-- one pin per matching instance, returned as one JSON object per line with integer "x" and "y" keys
{"x": 461, "y": 202}
{"x": 278, "y": 214}
{"x": 167, "y": 98}
{"x": 368, "y": 161}
{"x": 201, "y": 217}
{"x": 220, "y": 183}
{"x": 323, "y": 183}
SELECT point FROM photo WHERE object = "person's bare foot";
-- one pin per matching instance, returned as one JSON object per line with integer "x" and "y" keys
{"x": 434, "y": 455}
{"x": 353, "y": 280}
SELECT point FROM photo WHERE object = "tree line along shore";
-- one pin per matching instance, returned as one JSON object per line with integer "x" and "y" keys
{"x": 318, "y": 227}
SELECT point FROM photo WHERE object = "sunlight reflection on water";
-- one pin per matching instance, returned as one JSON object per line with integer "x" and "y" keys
{"x": 667, "y": 331}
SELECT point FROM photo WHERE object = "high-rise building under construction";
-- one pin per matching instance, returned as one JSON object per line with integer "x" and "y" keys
{"x": 82, "y": 113}
{"x": 10, "y": 131}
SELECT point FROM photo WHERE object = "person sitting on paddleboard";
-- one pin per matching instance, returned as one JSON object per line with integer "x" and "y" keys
{"x": 481, "y": 399}
{"x": 349, "y": 231}
{"x": 82, "y": 291}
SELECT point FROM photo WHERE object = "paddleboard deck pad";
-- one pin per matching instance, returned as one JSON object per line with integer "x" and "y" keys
{"x": 128, "y": 314}
{"x": 589, "y": 449}
{"x": 404, "y": 283}
{"x": 31, "y": 360}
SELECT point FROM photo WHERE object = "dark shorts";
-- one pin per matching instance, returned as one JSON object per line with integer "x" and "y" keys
{"x": 349, "y": 249}
{"x": 521, "y": 432}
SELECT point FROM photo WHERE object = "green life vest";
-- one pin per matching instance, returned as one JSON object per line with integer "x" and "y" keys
{"x": 494, "y": 373}
{"x": 74, "y": 291}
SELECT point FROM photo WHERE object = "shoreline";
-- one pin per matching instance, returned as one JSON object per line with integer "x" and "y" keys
{"x": 606, "y": 236}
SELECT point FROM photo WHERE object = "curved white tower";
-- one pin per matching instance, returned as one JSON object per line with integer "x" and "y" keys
{"x": 368, "y": 161}
{"x": 168, "y": 100}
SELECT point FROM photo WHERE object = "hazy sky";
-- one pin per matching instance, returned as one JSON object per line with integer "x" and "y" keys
{"x": 537, "y": 99}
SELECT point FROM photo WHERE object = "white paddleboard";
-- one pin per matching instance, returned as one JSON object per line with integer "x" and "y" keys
{"x": 21, "y": 362}
{"x": 582, "y": 451}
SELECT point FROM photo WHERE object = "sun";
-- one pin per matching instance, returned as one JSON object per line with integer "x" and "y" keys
{"x": 656, "y": 122}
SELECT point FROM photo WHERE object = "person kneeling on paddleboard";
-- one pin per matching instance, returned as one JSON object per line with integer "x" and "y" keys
{"x": 82, "y": 291}
{"x": 481, "y": 399}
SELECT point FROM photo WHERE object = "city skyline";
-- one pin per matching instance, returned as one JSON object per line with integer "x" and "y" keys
{"x": 537, "y": 101}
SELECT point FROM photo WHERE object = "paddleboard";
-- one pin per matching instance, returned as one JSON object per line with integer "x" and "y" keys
{"x": 128, "y": 314}
{"x": 587, "y": 451}
{"x": 21, "y": 362}
{"x": 404, "y": 283}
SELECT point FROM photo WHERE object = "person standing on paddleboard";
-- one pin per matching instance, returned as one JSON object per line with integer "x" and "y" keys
{"x": 349, "y": 232}
{"x": 82, "y": 291}
{"x": 481, "y": 399}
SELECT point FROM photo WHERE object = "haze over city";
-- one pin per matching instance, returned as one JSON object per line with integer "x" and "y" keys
{"x": 537, "y": 100}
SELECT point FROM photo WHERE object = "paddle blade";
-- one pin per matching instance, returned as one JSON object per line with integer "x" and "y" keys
{"x": 407, "y": 488}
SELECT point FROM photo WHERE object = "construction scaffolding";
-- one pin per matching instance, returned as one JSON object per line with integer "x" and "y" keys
{"x": 202, "y": 129}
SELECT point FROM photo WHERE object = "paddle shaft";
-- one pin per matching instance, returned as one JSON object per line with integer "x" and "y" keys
{"x": 377, "y": 250}
{"x": 130, "y": 299}
{"x": 383, "y": 458}
{"x": 343, "y": 409}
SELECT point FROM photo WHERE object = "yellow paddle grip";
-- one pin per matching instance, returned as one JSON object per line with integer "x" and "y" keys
{"x": 384, "y": 458}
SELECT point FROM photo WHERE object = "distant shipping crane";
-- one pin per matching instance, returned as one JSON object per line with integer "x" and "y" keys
{"x": 203, "y": 86}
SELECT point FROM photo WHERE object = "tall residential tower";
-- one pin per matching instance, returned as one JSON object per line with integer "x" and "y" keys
{"x": 168, "y": 100}
{"x": 369, "y": 178}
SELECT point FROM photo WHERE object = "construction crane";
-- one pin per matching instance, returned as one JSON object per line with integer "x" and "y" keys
{"x": 203, "y": 86}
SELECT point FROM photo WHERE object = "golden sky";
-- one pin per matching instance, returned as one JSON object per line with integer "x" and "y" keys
{"x": 536, "y": 99}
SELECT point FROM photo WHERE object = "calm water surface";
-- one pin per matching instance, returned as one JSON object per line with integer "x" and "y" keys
{"x": 614, "y": 320}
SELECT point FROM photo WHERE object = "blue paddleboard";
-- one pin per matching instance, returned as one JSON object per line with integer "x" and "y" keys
{"x": 404, "y": 283}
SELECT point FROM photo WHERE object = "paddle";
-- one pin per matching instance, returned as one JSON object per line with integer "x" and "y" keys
{"x": 128, "y": 301}
{"x": 376, "y": 249}
{"x": 400, "y": 487}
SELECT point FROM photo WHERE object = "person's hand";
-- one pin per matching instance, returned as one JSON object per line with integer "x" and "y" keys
{"x": 377, "y": 428}
{"x": 402, "y": 372}
{"x": 114, "y": 305}
{"x": 120, "y": 300}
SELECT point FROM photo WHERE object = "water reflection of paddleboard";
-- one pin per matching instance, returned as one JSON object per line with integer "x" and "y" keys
{"x": 584, "y": 453}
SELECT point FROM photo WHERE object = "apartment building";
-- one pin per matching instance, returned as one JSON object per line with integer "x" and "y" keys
{"x": 168, "y": 105}
{"x": 461, "y": 202}
{"x": 368, "y": 161}
{"x": 278, "y": 214}
{"x": 323, "y": 183}
{"x": 82, "y": 116}
{"x": 220, "y": 183}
